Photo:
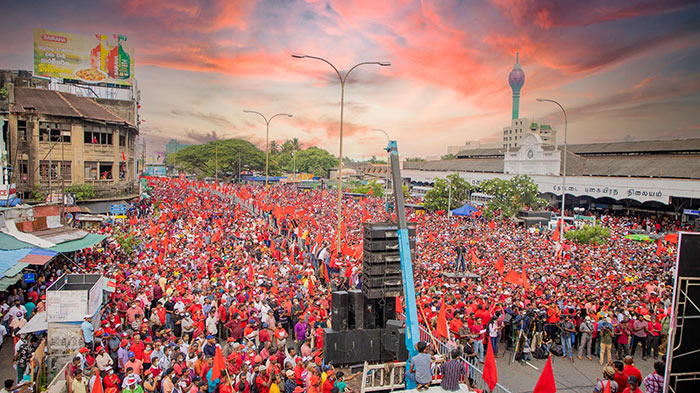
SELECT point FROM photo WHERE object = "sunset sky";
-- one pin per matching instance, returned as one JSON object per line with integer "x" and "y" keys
{"x": 623, "y": 69}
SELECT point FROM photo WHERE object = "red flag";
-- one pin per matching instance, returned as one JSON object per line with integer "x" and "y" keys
{"x": 123, "y": 156}
{"x": 431, "y": 238}
{"x": 490, "y": 373}
{"x": 153, "y": 230}
{"x": 475, "y": 259}
{"x": 513, "y": 278}
{"x": 555, "y": 235}
{"x": 218, "y": 365}
{"x": 492, "y": 225}
{"x": 441, "y": 329}
{"x": 319, "y": 238}
{"x": 546, "y": 382}
{"x": 499, "y": 264}
{"x": 324, "y": 271}
{"x": 659, "y": 247}
{"x": 607, "y": 387}
{"x": 526, "y": 283}
{"x": 97, "y": 386}
{"x": 251, "y": 275}
{"x": 671, "y": 238}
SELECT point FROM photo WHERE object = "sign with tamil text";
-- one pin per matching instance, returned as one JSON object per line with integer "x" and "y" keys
{"x": 93, "y": 59}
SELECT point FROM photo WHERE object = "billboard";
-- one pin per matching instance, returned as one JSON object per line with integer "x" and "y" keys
{"x": 93, "y": 59}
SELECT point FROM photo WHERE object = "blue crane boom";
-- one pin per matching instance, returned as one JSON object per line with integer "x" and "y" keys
{"x": 409, "y": 289}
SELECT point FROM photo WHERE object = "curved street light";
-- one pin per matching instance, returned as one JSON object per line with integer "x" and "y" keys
{"x": 342, "y": 79}
{"x": 563, "y": 175}
{"x": 267, "y": 137}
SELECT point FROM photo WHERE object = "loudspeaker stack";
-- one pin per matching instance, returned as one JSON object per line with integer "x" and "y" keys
{"x": 364, "y": 325}
{"x": 381, "y": 261}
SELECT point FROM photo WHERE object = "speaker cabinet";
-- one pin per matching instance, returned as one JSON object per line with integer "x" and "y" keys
{"x": 339, "y": 311}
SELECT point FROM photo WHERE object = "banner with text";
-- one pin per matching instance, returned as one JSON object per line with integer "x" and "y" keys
{"x": 93, "y": 59}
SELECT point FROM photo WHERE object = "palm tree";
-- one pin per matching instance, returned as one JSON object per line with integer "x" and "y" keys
{"x": 274, "y": 147}
{"x": 296, "y": 145}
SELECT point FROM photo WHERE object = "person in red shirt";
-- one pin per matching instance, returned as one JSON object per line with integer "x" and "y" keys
{"x": 629, "y": 369}
{"x": 138, "y": 347}
{"x": 632, "y": 385}
{"x": 330, "y": 382}
{"x": 620, "y": 377}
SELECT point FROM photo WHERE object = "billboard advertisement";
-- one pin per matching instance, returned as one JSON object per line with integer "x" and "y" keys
{"x": 93, "y": 59}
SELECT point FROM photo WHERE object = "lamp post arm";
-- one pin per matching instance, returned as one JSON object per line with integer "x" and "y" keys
{"x": 340, "y": 78}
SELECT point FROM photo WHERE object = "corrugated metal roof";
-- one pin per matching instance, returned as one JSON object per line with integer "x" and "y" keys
{"x": 493, "y": 165}
{"x": 50, "y": 102}
{"x": 670, "y": 166}
{"x": 673, "y": 145}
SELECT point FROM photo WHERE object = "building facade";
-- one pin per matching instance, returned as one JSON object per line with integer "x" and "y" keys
{"x": 55, "y": 140}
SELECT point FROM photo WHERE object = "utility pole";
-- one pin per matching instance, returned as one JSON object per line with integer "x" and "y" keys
{"x": 63, "y": 183}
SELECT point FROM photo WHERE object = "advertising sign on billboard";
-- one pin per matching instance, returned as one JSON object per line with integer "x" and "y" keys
{"x": 97, "y": 58}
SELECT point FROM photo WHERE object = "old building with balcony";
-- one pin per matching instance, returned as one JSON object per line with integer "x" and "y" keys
{"x": 55, "y": 139}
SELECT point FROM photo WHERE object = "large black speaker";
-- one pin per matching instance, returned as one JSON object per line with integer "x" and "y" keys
{"x": 333, "y": 345}
{"x": 339, "y": 311}
{"x": 394, "y": 341}
{"x": 683, "y": 360}
{"x": 356, "y": 309}
{"x": 353, "y": 346}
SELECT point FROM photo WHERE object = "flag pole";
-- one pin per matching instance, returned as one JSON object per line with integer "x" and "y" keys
{"x": 427, "y": 325}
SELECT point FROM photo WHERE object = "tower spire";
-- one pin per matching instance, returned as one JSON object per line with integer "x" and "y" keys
{"x": 516, "y": 80}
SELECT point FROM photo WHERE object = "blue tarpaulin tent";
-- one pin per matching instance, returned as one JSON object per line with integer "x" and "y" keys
{"x": 466, "y": 210}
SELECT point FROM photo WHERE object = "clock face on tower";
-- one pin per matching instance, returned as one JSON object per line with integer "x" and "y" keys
{"x": 530, "y": 154}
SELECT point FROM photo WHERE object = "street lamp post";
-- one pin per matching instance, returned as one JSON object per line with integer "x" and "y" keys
{"x": 563, "y": 176}
{"x": 342, "y": 79}
{"x": 267, "y": 138}
{"x": 388, "y": 167}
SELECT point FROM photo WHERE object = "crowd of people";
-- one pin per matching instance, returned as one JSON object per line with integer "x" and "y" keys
{"x": 249, "y": 271}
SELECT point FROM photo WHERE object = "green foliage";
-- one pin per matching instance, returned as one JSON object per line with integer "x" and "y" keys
{"x": 315, "y": 160}
{"x": 82, "y": 191}
{"x": 448, "y": 157}
{"x": 510, "y": 196}
{"x": 127, "y": 243}
{"x": 201, "y": 159}
{"x": 589, "y": 234}
{"x": 376, "y": 187}
{"x": 416, "y": 159}
{"x": 3, "y": 92}
{"x": 38, "y": 194}
{"x": 439, "y": 197}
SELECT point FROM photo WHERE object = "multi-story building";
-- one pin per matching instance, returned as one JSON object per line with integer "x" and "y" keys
{"x": 55, "y": 139}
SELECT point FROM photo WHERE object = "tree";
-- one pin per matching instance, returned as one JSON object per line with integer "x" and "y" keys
{"x": 510, "y": 196}
{"x": 418, "y": 159}
{"x": 274, "y": 147}
{"x": 449, "y": 156}
{"x": 376, "y": 187}
{"x": 127, "y": 242}
{"x": 315, "y": 160}
{"x": 589, "y": 234}
{"x": 438, "y": 198}
{"x": 201, "y": 159}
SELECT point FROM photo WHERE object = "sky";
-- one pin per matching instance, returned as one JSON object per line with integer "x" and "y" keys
{"x": 624, "y": 70}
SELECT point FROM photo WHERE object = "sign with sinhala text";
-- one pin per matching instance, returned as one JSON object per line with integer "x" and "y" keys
{"x": 94, "y": 59}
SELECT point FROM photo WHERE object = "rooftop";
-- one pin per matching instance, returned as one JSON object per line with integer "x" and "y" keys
{"x": 51, "y": 102}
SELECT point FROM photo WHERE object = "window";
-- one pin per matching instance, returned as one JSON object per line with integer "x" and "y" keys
{"x": 23, "y": 170}
{"x": 22, "y": 130}
{"x": 54, "y": 170}
{"x": 98, "y": 135}
{"x": 66, "y": 170}
{"x": 90, "y": 170}
{"x": 54, "y": 132}
{"x": 105, "y": 170}
{"x": 122, "y": 138}
{"x": 122, "y": 170}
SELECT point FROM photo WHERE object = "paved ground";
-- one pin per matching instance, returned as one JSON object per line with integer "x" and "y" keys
{"x": 7, "y": 352}
{"x": 577, "y": 377}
